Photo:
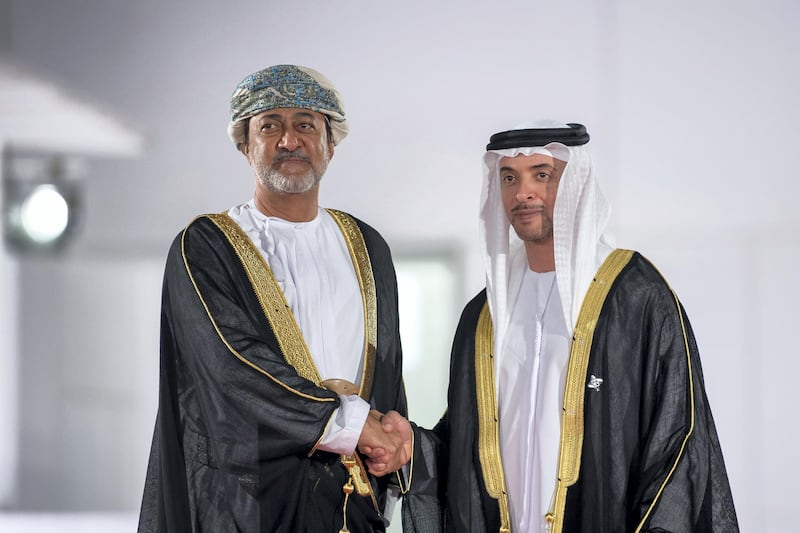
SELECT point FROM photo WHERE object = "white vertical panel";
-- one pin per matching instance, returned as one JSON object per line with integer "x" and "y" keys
{"x": 9, "y": 425}
{"x": 89, "y": 382}
{"x": 741, "y": 298}
{"x": 776, "y": 426}
{"x": 428, "y": 300}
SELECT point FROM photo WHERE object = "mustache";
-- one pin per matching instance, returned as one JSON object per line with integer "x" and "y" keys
{"x": 519, "y": 207}
{"x": 297, "y": 154}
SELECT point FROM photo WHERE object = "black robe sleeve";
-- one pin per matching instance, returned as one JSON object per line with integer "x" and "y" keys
{"x": 231, "y": 366}
{"x": 447, "y": 491}
{"x": 651, "y": 457}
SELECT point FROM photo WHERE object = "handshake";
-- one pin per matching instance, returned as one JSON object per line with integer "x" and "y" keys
{"x": 386, "y": 442}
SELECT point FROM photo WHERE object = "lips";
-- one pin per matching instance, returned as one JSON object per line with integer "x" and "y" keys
{"x": 301, "y": 158}
{"x": 292, "y": 160}
{"x": 525, "y": 209}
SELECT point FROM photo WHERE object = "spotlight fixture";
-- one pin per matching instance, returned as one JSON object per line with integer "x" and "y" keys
{"x": 41, "y": 200}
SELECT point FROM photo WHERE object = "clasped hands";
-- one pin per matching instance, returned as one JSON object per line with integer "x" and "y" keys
{"x": 386, "y": 442}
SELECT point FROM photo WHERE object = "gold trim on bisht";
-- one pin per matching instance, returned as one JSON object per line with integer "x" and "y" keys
{"x": 290, "y": 338}
{"x": 270, "y": 296}
{"x": 569, "y": 455}
{"x": 234, "y": 238}
{"x": 366, "y": 280}
{"x": 488, "y": 419}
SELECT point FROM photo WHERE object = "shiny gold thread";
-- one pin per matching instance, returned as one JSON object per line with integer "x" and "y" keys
{"x": 571, "y": 445}
{"x": 488, "y": 427}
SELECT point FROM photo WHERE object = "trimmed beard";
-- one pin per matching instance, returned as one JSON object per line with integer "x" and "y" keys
{"x": 272, "y": 179}
{"x": 544, "y": 233}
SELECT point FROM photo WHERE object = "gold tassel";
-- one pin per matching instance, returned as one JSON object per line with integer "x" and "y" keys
{"x": 348, "y": 490}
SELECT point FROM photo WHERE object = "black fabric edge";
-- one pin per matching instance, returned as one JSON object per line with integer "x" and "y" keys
{"x": 574, "y": 135}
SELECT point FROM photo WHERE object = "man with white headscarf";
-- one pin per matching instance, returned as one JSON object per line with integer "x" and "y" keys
{"x": 576, "y": 399}
{"x": 280, "y": 342}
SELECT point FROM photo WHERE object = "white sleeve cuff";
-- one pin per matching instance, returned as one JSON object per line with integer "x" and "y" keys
{"x": 345, "y": 426}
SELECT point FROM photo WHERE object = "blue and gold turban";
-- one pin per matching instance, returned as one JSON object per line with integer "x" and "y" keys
{"x": 286, "y": 86}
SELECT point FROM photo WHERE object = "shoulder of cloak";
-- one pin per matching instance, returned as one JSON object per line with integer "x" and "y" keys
{"x": 640, "y": 276}
{"x": 376, "y": 244}
{"x": 202, "y": 235}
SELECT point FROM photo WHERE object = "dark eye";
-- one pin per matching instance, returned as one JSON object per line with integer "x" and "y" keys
{"x": 507, "y": 178}
{"x": 543, "y": 176}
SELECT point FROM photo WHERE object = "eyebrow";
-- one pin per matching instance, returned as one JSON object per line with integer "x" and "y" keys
{"x": 536, "y": 167}
{"x": 278, "y": 116}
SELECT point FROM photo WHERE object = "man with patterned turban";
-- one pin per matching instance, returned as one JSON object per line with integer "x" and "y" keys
{"x": 279, "y": 344}
{"x": 576, "y": 399}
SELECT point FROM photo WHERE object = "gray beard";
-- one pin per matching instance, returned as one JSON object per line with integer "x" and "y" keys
{"x": 275, "y": 181}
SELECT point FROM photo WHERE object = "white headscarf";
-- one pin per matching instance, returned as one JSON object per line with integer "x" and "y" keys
{"x": 581, "y": 242}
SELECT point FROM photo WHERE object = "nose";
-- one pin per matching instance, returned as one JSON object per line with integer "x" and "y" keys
{"x": 523, "y": 195}
{"x": 527, "y": 191}
{"x": 289, "y": 140}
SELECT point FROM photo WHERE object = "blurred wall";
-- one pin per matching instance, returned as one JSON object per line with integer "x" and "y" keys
{"x": 691, "y": 107}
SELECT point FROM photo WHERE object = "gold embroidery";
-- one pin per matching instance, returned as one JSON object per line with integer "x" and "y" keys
{"x": 569, "y": 455}
{"x": 277, "y": 311}
{"x": 363, "y": 267}
{"x": 288, "y": 333}
{"x": 488, "y": 427}
{"x": 366, "y": 280}
{"x": 238, "y": 355}
{"x": 271, "y": 298}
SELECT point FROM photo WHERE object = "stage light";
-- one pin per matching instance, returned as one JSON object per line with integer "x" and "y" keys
{"x": 44, "y": 214}
{"x": 41, "y": 199}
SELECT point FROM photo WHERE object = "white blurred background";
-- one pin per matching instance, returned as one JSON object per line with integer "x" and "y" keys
{"x": 692, "y": 108}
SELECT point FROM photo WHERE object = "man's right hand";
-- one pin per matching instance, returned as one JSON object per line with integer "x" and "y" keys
{"x": 386, "y": 441}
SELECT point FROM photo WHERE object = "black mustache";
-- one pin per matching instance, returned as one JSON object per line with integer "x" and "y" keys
{"x": 526, "y": 206}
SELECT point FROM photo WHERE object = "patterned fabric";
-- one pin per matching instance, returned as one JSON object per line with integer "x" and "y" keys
{"x": 282, "y": 86}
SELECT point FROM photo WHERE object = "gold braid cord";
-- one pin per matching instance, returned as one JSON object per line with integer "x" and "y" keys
{"x": 270, "y": 296}
{"x": 488, "y": 427}
{"x": 366, "y": 280}
{"x": 290, "y": 339}
{"x": 569, "y": 456}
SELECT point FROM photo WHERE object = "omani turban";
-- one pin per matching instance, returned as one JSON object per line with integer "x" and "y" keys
{"x": 286, "y": 86}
